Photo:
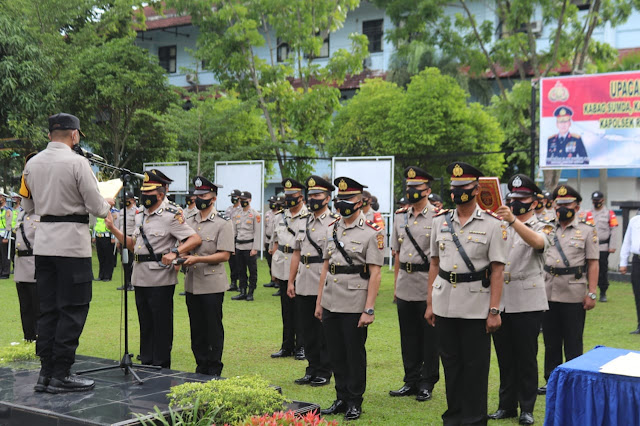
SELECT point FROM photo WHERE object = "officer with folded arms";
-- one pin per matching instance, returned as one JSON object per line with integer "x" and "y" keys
{"x": 154, "y": 279}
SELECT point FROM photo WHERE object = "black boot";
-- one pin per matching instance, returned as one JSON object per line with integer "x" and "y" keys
{"x": 241, "y": 296}
{"x": 277, "y": 293}
{"x": 249, "y": 296}
{"x": 233, "y": 287}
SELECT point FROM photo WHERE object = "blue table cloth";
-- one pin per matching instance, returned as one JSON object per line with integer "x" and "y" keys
{"x": 578, "y": 394}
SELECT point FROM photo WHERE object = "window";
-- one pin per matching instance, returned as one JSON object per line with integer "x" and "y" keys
{"x": 167, "y": 58}
{"x": 374, "y": 32}
{"x": 282, "y": 51}
{"x": 324, "y": 50}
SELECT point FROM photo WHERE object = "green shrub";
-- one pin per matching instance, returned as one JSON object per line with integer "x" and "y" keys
{"x": 194, "y": 416}
{"x": 18, "y": 351}
{"x": 237, "y": 398}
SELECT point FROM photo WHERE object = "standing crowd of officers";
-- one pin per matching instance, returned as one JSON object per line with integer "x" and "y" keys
{"x": 460, "y": 276}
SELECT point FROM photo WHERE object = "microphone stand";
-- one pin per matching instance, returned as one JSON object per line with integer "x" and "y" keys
{"x": 126, "y": 363}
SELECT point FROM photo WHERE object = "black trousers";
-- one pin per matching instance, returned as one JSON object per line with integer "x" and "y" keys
{"x": 5, "y": 263}
{"x": 465, "y": 351}
{"x": 29, "y": 309}
{"x": 516, "y": 344}
{"x": 291, "y": 328}
{"x": 128, "y": 267}
{"x": 315, "y": 345}
{"x": 155, "y": 314}
{"x": 106, "y": 258}
{"x": 635, "y": 283}
{"x": 233, "y": 268}
{"x": 247, "y": 262}
{"x": 562, "y": 328}
{"x": 268, "y": 256}
{"x": 603, "y": 274}
{"x": 348, "y": 354}
{"x": 207, "y": 331}
{"x": 418, "y": 344}
{"x": 64, "y": 291}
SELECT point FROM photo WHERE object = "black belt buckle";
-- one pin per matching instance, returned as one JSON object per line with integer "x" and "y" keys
{"x": 332, "y": 268}
{"x": 453, "y": 278}
{"x": 408, "y": 267}
{"x": 305, "y": 260}
{"x": 578, "y": 274}
{"x": 507, "y": 280}
{"x": 135, "y": 257}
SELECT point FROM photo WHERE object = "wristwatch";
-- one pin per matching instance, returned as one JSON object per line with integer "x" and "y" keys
{"x": 592, "y": 296}
{"x": 494, "y": 311}
{"x": 368, "y": 311}
{"x": 176, "y": 251}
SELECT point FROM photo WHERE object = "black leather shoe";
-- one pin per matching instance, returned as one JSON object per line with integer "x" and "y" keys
{"x": 319, "y": 381}
{"x": 300, "y": 356}
{"x": 405, "y": 390}
{"x": 503, "y": 414}
{"x": 303, "y": 380}
{"x": 526, "y": 418}
{"x": 249, "y": 297}
{"x": 270, "y": 285}
{"x": 41, "y": 385}
{"x": 603, "y": 297}
{"x": 241, "y": 296}
{"x": 70, "y": 384}
{"x": 542, "y": 390}
{"x": 130, "y": 288}
{"x": 353, "y": 413}
{"x": 636, "y": 331}
{"x": 423, "y": 395}
{"x": 233, "y": 287}
{"x": 277, "y": 293}
{"x": 282, "y": 354}
{"x": 338, "y": 406}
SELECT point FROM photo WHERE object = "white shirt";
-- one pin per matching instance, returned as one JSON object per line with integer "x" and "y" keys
{"x": 631, "y": 243}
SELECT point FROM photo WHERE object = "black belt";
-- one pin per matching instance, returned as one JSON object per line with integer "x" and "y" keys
{"x": 22, "y": 253}
{"x": 414, "y": 267}
{"x": 76, "y": 218}
{"x": 454, "y": 277}
{"x": 349, "y": 269}
{"x": 573, "y": 270}
{"x": 311, "y": 259}
{"x": 604, "y": 241}
{"x": 147, "y": 258}
{"x": 268, "y": 236}
{"x": 285, "y": 249}
{"x": 243, "y": 241}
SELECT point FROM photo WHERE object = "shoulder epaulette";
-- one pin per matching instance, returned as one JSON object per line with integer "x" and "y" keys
{"x": 492, "y": 214}
{"x": 334, "y": 215}
{"x": 575, "y": 135}
{"x": 441, "y": 212}
{"x": 302, "y": 216}
{"x": 171, "y": 210}
{"x": 223, "y": 216}
{"x": 373, "y": 225}
{"x": 586, "y": 222}
{"x": 402, "y": 209}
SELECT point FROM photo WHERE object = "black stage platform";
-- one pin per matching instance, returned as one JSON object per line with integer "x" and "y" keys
{"x": 113, "y": 401}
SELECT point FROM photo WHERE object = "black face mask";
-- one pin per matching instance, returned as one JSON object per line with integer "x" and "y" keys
{"x": 415, "y": 195}
{"x": 234, "y": 200}
{"x": 462, "y": 196}
{"x": 273, "y": 206}
{"x": 189, "y": 202}
{"x": 519, "y": 208}
{"x": 316, "y": 205}
{"x": 540, "y": 206}
{"x": 127, "y": 203}
{"x": 291, "y": 201}
{"x": 565, "y": 213}
{"x": 365, "y": 202}
{"x": 244, "y": 203}
{"x": 598, "y": 204}
{"x": 202, "y": 204}
{"x": 148, "y": 200}
{"x": 549, "y": 204}
{"x": 346, "y": 208}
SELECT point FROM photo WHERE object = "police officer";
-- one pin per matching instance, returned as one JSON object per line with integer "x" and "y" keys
{"x": 154, "y": 245}
{"x": 571, "y": 277}
{"x": 191, "y": 209}
{"x": 6, "y": 216}
{"x": 435, "y": 201}
{"x": 283, "y": 242}
{"x": 104, "y": 248}
{"x": 524, "y": 298}
{"x": 206, "y": 280}
{"x": 247, "y": 224}
{"x": 544, "y": 210}
{"x": 411, "y": 240}
{"x": 25, "y": 273}
{"x": 366, "y": 206}
{"x": 347, "y": 291}
{"x": 565, "y": 147}
{"x": 468, "y": 254}
{"x": 606, "y": 223}
{"x": 59, "y": 186}
{"x": 277, "y": 218}
{"x": 132, "y": 210}
{"x": 304, "y": 275}
{"x": 268, "y": 230}
{"x": 232, "y": 212}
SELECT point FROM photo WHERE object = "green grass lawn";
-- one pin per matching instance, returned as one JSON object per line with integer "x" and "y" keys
{"x": 253, "y": 331}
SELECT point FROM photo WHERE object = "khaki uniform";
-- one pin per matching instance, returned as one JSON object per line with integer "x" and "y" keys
{"x": 523, "y": 289}
{"x": 268, "y": 228}
{"x": 369, "y": 215}
{"x": 190, "y": 212}
{"x": 309, "y": 274}
{"x": 347, "y": 293}
{"x": 281, "y": 258}
{"x": 216, "y": 232}
{"x": 606, "y": 237}
{"x": 163, "y": 228}
{"x": 25, "y": 266}
{"x": 53, "y": 196}
{"x": 247, "y": 229}
{"x": 412, "y": 286}
{"x": 232, "y": 212}
{"x": 131, "y": 220}
{"x": 484, "y": 239}
{"x": 547, "y": 215}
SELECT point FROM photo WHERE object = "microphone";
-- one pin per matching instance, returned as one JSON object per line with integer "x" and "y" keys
{"x": 86, "y": 154}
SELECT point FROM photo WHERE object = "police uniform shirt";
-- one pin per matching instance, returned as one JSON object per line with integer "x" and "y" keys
{"x": 163, "y": 228}
{"x": 309, "y": 274}
{"x": 484, "y": 239}
{"x": 569, "y": 148}
{"x": 216, "y": 232}
{"x": 523, "y": 289}
{"x": 369, "y": 215}
{"x": 61, "y": 183}
{"x": 280, "y": 261}
{"x": 579, "y": 243}
{"x": 268, "y": 218}
{"x": 25, "y": 266}
{"x": 605, "y": 231}
{"x": 190, "y": 212}
{"x": 546, "y": 215}
{"x": 131, "y": 220}
{"x": 412, "y": 286}
{"x": 248, "y": 229}
{"x": 364, "y": 243}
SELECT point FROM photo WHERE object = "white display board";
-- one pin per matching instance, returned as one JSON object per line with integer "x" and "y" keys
{"x": 242, "y": 175}
{"x": 177, "y": 171}
{"x": 374, "y": 172}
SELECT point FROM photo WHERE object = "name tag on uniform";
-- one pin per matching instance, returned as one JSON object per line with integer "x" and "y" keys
{"x": 446, "y": 229}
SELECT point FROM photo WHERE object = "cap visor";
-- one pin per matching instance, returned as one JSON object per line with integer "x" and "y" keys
{"x": 461, "y": 182}
{"x": 519, "y": 194}
{"x": 201, "y": 191}
{"x": 149, "y": 187}
{"x": 565, "y": 200}
{"x": 316, "y": 191}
